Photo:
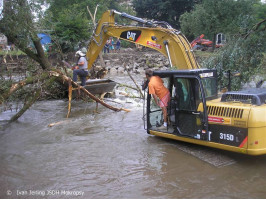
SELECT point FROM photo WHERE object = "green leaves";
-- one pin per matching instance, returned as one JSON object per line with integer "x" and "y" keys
{"x": 236, "y": 19}
{"x": 69, "y": 26}
{"x": 215, "y": 16}
{"x": 70, "y": 22}
{"x": 244, "y": 56}
{"x": 163, "y": 10}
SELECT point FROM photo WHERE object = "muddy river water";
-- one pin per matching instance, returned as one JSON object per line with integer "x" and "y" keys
{"x": 110, "y": 155}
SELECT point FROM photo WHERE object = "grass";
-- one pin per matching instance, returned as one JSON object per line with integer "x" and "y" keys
{"x": 204, "y": 54}
{"x": 12, "y": 53}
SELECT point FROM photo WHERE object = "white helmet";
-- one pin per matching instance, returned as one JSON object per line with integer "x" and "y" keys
{"x": 79, "y": 54}
{"x": 84, "y": 50}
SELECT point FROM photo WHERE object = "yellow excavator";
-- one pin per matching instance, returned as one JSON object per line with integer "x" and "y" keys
{"x": 236, "y": 121}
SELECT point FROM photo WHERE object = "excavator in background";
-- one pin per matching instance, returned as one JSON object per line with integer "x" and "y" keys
{"x": 235, "y": 122}
{"x": 203, "y": 44}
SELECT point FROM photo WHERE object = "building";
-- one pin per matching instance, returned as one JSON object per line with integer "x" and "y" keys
{"x": 3, "y": 41}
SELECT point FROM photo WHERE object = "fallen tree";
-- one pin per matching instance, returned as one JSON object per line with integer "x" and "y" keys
{"x": 47, "y": 79}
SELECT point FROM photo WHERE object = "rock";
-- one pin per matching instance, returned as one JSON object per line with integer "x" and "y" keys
{"x": 120, "y": 69}
{"x": 135, "y": 65}
{"x": 98, "y": 68}
{"x": 136, "y": 71}
{"x": 136, "y": 61}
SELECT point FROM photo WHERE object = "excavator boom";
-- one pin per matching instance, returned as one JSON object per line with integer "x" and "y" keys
{"x": 155, "y": 35}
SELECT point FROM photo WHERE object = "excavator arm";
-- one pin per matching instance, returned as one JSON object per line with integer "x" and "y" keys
{"x": 155, "y": 35}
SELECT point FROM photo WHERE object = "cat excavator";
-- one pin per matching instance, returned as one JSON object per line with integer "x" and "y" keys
{"x": 235, "y": 122}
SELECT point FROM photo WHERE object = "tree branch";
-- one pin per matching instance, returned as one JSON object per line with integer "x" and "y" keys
{"x": 20, "y": 84}
{"x": 26, "y": 106}
{"x": 254, "y": 28}
{"x": 141, "y": 94}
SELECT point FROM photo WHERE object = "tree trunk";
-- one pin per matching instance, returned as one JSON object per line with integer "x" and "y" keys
{"x": 19, "y": 11}
{"x": 43, "y": 60}
{"x": 26, "y": 106}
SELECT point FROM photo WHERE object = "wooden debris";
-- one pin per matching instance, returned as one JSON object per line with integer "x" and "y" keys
{"x": 141, "y": 94}
{"x": 57, "y": 123}
{"x": 69, "y": 96}
{"x": 49, "y": 78}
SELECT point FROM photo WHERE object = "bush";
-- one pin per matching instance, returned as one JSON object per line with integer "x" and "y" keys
{"x": 239, "y": 55}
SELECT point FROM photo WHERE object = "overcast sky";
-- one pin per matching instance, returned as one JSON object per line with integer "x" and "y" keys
{"x": 1, "y": 3}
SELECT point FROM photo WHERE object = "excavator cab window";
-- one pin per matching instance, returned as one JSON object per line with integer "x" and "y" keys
{"x": 210, "y": 87}
{"x": 155, "y": 113}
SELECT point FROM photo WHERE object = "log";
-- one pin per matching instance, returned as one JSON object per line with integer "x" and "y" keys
{"x": 57, "y": 123}
{"x": 69, "y": 96}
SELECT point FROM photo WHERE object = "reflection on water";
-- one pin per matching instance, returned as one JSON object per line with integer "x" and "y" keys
{"x": 110, "y": 155}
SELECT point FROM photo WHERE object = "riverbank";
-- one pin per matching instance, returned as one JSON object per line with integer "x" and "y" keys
{"x": 135, "y": 60}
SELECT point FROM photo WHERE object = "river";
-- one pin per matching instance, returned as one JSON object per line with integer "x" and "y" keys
{"x": 110, "y": 155}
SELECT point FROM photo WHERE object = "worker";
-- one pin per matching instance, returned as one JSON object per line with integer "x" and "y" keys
{"x": 160, "y": 94}
{"x": 118, "y": 45}
{"x": 81, "y": 70}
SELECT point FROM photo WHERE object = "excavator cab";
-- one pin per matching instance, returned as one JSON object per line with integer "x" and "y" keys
{"x": 187, "y": 110}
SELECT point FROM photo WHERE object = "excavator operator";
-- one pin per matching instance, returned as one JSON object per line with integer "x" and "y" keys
{"x": 160, "y": 94}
